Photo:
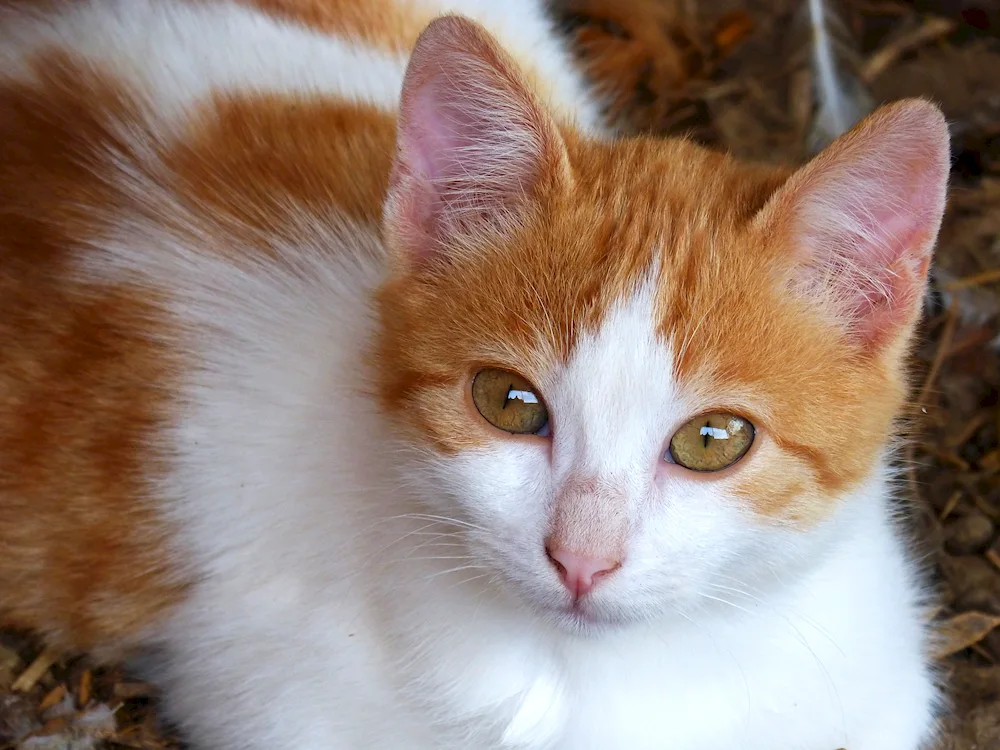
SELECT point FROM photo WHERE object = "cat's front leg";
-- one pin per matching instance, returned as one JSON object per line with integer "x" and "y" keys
{"x": 903, "y": 725}
{"x": 239, "y": 687}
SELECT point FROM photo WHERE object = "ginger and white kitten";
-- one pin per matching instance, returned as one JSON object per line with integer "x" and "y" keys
{"x": 409, "y": 411}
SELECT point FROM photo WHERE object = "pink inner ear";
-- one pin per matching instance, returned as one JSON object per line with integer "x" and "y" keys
{"x": 471, "y": 157}
{"x": 471, "y": 145}
{"x": 866, "y": 214}
{"x": 444, "y": 126}
{"x": 423, "y": 145}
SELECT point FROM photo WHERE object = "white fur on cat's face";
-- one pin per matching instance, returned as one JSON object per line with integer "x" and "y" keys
{"x": 613, "y": 408}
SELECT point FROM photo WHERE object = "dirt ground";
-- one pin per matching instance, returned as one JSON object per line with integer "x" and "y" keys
{"x": 734, "y": 74}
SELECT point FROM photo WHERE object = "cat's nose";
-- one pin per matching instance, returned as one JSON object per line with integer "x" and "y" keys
{"x": 579, "y": 573}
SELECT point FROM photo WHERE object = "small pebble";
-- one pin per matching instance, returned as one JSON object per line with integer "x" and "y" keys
{"x": 969, "y": 534}
{"x": 10, "y": 666}
{"x": 975, "y": 583}
{"x": 17, "y": 718}
{"x": 58, "y": 742}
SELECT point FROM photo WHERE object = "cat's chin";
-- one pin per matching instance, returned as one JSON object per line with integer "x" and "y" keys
{"x": 586, "y": 621}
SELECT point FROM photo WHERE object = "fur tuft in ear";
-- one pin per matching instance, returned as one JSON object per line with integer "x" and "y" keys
{"x": 473, "y": 146}
{"x": 862, "y": 219}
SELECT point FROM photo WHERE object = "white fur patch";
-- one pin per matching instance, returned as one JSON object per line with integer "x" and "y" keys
{"x": 177, "y": 53}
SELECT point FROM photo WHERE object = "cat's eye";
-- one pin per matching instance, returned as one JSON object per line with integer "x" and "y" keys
{"x": 711, "y": 442}
{"x": 509, "y": 402}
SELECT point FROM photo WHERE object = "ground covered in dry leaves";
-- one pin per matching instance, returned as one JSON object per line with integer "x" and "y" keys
{"x": 733, "y": 74}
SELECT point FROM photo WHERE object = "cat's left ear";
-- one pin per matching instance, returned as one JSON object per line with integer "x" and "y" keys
{"x": 474, "y": 146}
{"x": 862, "y": 218}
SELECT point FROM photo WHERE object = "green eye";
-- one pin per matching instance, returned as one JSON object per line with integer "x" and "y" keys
{"x": 711, "y": 442}
{"x": 509, "y": 402}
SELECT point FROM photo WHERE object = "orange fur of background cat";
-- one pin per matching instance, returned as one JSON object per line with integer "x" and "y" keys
{"x": 640, "y": 55}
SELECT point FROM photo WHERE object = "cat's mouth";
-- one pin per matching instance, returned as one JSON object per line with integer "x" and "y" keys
{"x": 584, "y": 618}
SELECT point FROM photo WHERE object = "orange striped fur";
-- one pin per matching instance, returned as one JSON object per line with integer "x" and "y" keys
{"x": 85, "y": 386}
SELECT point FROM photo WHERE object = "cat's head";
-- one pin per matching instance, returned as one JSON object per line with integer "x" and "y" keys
{"x": 641, "y": 366}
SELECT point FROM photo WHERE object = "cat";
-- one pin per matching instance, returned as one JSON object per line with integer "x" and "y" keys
{"x": 361, "y": 385}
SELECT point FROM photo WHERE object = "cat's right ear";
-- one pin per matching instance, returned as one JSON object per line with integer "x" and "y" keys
{"x": 474, "y": 147}
{"x": 862, "y": 218}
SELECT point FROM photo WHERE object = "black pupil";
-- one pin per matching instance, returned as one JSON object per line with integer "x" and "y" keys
{"x": 707, "y": 435}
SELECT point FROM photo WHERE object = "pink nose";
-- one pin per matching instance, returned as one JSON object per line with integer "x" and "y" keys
{"x": 579, "y": 573}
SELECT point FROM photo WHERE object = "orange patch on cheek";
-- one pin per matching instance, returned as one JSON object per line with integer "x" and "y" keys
{"x": 779, "y": 485}
{"x": 436, "y": 334}
{"x": 426, "y": 384}
{"x": 814, "y": 457}
{"x": 828, "y": 409}
{"x": 446, "y": 415}
{"x": 823, "y": 423}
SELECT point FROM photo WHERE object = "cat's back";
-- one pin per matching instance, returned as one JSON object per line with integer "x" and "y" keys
{"x": 227, "y": 112}
{"x": 178, "y": 52}
{"x": 149, "y": 148}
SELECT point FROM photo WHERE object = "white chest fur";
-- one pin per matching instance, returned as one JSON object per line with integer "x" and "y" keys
{"x": 780, "y": 666}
